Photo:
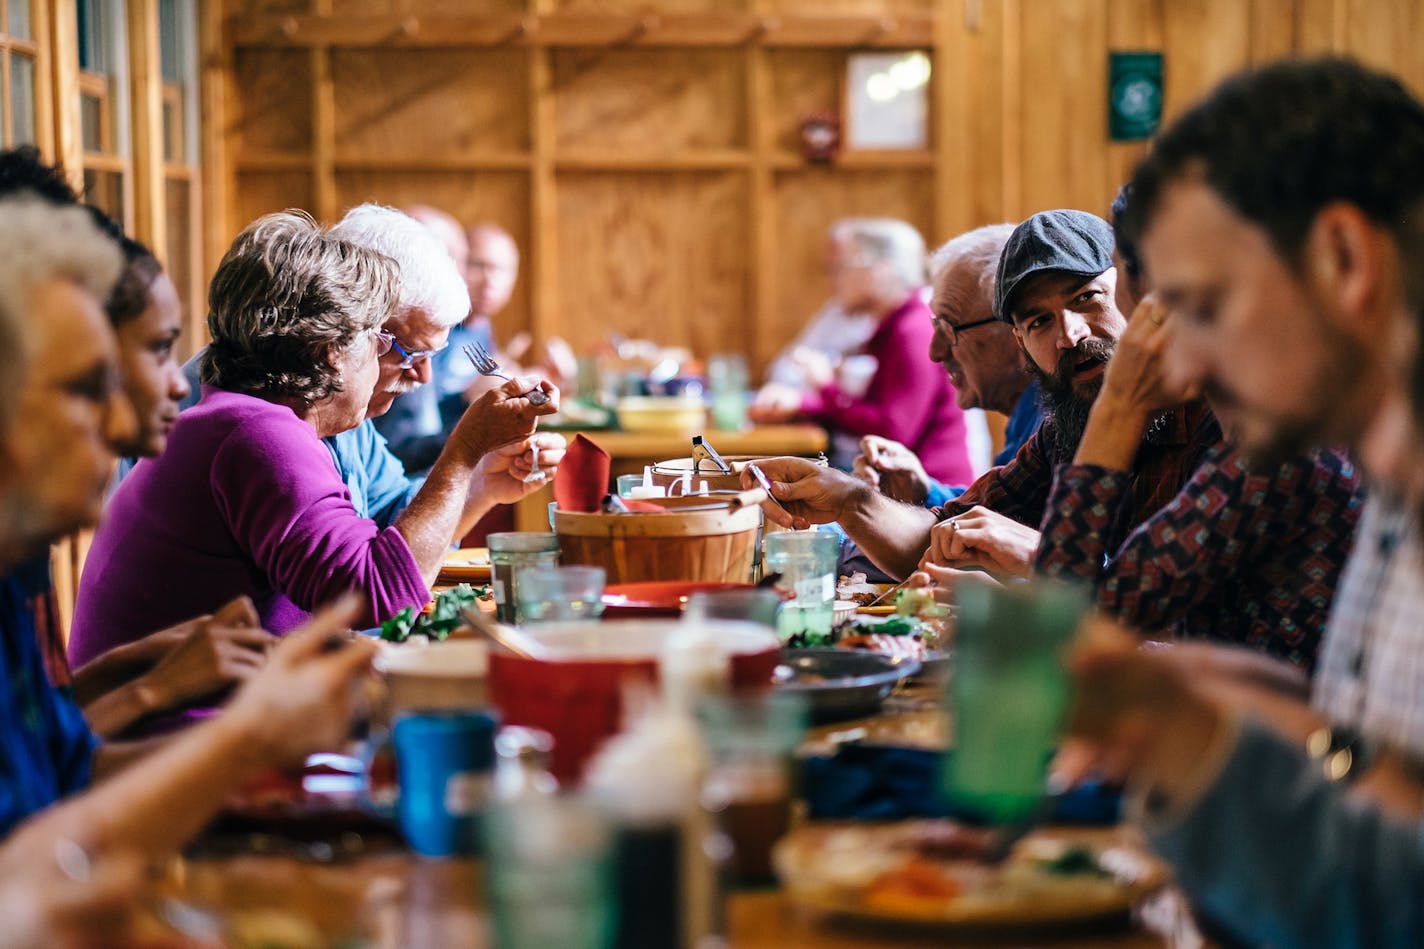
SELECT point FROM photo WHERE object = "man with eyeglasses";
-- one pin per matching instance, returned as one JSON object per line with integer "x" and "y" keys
{"x": 986, "y": 365}
{"x": 419, "y": 423}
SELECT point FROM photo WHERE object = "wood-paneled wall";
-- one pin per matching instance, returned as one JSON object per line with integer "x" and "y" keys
{"x": 644, "y": 152}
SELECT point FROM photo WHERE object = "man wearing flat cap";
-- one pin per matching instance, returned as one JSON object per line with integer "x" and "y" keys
{"x": 1129, "y": 479}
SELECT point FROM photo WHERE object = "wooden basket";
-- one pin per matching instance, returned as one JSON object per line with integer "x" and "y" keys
{"x": 717, "y": 545}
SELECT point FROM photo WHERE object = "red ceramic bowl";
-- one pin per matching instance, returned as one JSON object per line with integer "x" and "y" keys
{"x": 578, "y": 696}
{"x": 657, "y": 598}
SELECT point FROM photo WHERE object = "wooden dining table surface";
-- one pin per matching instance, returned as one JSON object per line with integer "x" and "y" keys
{"x": 400, "y": 901}
{"x": 393, "y": 899}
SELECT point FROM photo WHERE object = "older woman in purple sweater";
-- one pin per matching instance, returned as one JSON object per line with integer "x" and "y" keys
{"x": 246, "y": 498}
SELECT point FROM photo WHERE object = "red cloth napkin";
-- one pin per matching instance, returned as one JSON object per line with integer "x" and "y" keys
{"x": 582, "y": 478}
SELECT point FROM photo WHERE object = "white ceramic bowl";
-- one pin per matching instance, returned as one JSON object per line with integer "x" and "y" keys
{"x": 433, "y": 676}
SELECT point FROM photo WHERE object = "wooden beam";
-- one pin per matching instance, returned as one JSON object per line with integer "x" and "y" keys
{"x": 543, "y": 272}
{"x": 215, "y": 79}
{"x": 856, "y": 161}
{"x": 279, "y": 31}
{"x": 146, "y": 98}
{"x": 573, "y": 30}
{"x": 761, "y": 103}
{"x": 710, "y": 160}
{"x": 44, "y": 79}
{"x": 323, "y": 165}
{"x": 1012, "y": 130}
{"x": 68, "y": 136}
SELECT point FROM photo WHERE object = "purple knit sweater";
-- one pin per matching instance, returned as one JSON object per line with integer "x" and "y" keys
{"x": 910, "y": 399}
{"x": 245, "y": 500}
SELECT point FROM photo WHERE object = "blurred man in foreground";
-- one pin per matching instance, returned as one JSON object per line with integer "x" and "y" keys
{"x": 1279, "y": 249}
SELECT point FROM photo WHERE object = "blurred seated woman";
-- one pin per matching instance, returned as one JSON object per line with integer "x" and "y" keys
{"x": 246, "y": 499}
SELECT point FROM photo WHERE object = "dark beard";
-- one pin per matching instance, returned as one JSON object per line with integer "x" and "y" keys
{"x": 1068, "y": 409}
{"x": 1062, "y": 403}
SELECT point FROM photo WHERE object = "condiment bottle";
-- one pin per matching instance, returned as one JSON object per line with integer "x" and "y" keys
{"x": 647, "y": 780}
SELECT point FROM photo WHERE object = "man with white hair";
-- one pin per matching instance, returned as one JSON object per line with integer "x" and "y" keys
{"x": 419, "y": 423}
{"x": 878, "y": 267}
{"x": 988, "y": 368}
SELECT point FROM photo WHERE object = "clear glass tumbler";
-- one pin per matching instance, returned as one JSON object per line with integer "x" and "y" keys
{"x": 550, "y": 875}
{"x": 511, "y": 554}
{"x": 806, "y": 561}
{"x": 561, "y": 593}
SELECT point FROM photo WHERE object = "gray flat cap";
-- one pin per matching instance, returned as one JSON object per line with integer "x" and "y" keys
{"x": 1065, "y": 240}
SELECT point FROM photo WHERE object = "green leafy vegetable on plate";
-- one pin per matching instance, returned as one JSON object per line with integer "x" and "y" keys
{"x": 440, "y": 622}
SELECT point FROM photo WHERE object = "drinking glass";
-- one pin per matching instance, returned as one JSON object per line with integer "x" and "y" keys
{"x": 550, "y": 874}
{"x": 445, "y": 761}
{"x": 511, "y": 554}
{"x": 627, "y": 482}
{"x": 1007, "y": 693}
{"x": 561, "y": 593}
{"x": 727, "y": 378}
{"x": 806, "y": 561}
{"x": 748, "y": 785}
{"x": 754, "y": 606}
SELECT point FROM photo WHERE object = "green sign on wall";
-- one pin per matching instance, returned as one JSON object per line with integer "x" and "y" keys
{"x": 1134, "y": 95}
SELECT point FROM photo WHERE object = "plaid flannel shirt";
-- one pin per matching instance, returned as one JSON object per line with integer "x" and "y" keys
{"x": 1371, "y": 676}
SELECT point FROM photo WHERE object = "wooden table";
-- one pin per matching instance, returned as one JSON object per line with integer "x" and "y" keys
{"x": 398, "y": 901}
{"x": 632, "y": 451}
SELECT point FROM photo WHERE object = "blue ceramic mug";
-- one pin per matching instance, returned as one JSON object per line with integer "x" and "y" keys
{"x": 445, "y": 762}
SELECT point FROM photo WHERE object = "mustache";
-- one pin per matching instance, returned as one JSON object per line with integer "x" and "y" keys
{"x": 1060, "y": 380}
{"x": 403, "y": 385}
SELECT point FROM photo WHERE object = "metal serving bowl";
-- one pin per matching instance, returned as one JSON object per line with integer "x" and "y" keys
{"x": 841, "y": 683}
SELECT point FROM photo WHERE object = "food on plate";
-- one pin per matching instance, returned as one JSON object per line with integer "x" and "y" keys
{"x": 441, "y": 621}
{"x": 855, "y": 588}
{"x": 936, "y": 871}
{"x": 904, "y": 636}
{"x": 918, "y": 601}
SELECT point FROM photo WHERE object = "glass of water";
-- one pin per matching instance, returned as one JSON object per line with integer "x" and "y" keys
{"x": 806, "y": 561}
{"x": 561, "y": 593}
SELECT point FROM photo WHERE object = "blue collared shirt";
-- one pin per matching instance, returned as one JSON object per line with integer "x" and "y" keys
{"x": 46, "y": 747}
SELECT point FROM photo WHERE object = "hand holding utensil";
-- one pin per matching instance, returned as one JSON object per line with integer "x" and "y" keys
{"x": 486, "y": 366}
{"x": 535, "y": 473}
{"x": 765, "y": 483}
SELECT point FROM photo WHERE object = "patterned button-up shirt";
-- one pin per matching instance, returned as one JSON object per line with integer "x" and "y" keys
{"x": 1237, "y": 556}
{"x": 1169, "y": 454}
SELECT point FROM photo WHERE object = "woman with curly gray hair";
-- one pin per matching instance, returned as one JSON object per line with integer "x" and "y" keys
{"x": 246, "y": 499}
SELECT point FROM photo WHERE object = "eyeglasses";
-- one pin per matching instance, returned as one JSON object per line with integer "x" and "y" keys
{"x": 951, "y": 332}
{"x": 385, "y": 342}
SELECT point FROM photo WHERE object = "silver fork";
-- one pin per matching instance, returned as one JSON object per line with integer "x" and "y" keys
{"x": 486, "y": 366}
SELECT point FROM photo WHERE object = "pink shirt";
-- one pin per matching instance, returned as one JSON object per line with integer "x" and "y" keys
{"x": 910, "y": 398}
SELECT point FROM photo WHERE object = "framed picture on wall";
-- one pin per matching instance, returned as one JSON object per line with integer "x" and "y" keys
{"x": 887, "y": 101}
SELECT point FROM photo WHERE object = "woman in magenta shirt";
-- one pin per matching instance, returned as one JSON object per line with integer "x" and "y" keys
{"x": 889, "y": 386}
